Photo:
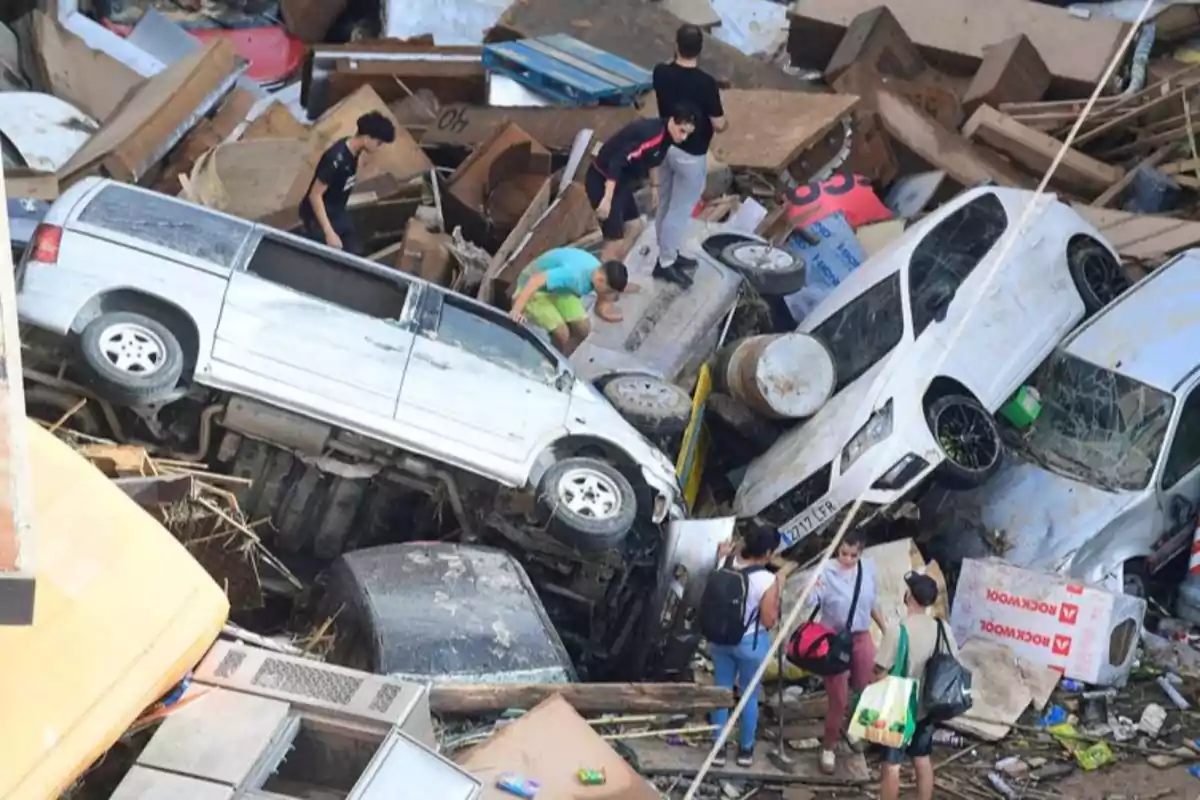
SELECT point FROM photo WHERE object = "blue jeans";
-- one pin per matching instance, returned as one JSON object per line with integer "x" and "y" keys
{"x": 736, "y": 664}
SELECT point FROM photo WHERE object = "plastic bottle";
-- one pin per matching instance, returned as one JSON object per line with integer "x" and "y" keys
{"x": 1000, "y": 785}
{"x": 1180, "y": 702}
{"x": 949, "y": 738}
{"x": 1072, "y": 685}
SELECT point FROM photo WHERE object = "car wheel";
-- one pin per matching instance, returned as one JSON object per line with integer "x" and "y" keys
{"x": 1099, "y": 277}
{"x": 133, "y": 359}
{"x": 653, "y": 406}
{"x": 770, "y": 270}
{"x": 591, "y": 506}
{"x": 1135, "y": 578}
{"x": 969, "y": 439}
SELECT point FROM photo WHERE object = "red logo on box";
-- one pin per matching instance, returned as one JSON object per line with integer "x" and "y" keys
{"x": 1068, "y": 613}
{"x": 1062, "y": 645}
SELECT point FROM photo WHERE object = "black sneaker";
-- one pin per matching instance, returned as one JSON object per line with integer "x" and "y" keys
{"x": 745, "y": 758}
{"x": 671, "y": 275}
{"x": 684, "y": 263}
{"x": 719, "y": 758}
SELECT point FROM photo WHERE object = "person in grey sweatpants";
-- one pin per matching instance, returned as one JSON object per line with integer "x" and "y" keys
{"x": 681, "y": 178}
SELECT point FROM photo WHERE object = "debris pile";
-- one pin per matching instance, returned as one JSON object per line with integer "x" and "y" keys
{"x": 492, "y": 551}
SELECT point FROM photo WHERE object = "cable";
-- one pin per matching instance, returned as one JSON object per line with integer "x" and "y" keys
{"x": 1005, "y": 245}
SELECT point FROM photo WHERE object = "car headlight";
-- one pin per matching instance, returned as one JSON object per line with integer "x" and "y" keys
{"x": 877, "y": 428}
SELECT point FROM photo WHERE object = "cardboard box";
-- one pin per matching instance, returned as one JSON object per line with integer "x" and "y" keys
{"x": 1083, "y": 632}
{"x": 424, "y": 254}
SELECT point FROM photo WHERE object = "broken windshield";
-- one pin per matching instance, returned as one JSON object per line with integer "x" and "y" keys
{"x": 1096, "y": 425}
{"x": 863, "y": 331}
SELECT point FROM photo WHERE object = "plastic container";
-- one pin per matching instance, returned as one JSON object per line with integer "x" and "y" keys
{"x": 1023, "y": 408}
{"x": 1153, "y": 717}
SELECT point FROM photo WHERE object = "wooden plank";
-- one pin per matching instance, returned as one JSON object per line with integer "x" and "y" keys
{"x": 1133, "y": 113}
{"x": 1114, "y": 191}
{"x": 1142, "y": 236}
{"x": 656, "y": 757}
{"x": 1012, "y": 71}
{"x": 865, "y": 81}
{"x": 587, "y": 698}
{"x": 876, "y": 39}
{"x": 464, "y": 125}
{"x": 1037, "y": 151}
{"x": 641, "y": 32}
{"x": 1075, "y": 50}
{"x": 940, "y": 147}
{"x": 770, "y": 128}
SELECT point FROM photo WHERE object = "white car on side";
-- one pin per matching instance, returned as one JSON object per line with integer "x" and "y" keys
{"x": 926, "y": 351}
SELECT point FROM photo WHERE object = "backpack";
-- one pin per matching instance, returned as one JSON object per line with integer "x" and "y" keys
{"x": 946, "y": 685}
{"x": 723, "y": 604}
{"x": 821, "y": 650}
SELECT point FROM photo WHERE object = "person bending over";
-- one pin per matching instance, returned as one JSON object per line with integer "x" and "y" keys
{"x": 551, "y": 289}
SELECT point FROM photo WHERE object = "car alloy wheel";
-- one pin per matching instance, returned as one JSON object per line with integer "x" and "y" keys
{"x": 589, "y": 493}
{"x": 133, "y": 349}
{"x": 967, "y": 436}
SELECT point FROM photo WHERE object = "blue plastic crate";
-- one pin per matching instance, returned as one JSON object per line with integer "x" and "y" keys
{"x": 568, "y": 71}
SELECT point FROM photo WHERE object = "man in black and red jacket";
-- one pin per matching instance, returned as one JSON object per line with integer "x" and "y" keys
{"x": 622, "y": 164}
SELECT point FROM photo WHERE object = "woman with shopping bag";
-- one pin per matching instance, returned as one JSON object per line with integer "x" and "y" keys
{"x": 845, "y": 595}
{"x": 900, "y": 667}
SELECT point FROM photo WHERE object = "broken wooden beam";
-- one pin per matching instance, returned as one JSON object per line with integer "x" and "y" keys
{"x": 1012, "y": 71}
{"x": 1144, "y": 237}
{"x": 586, "y": 698}
{"x": 1150, "y": 161}
{"x": 1036, "y": 150}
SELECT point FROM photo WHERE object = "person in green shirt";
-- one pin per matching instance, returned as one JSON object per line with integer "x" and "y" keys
{"x": 550, "y": 294}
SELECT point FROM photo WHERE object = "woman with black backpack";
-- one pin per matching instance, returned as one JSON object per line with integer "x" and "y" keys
{"x": 739, "y": 607}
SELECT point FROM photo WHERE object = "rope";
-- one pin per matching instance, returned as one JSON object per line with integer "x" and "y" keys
{"x": 1006, "y": 244}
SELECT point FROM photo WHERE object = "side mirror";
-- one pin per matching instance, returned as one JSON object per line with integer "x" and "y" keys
{"x": 564, "y": 381}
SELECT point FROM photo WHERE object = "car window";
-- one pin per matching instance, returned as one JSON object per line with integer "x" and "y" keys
{"x": 191, "y": 230}
{"x": 462, "y": 326}
{"x": 948, "y": 253}
{"x": 864, "y": 330}
{"x": 1184, "y": 455}
{"x": 320, "y": 275}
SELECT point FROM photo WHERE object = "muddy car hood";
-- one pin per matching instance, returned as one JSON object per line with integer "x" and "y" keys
{"x": 808, "y": 447}
{"x": 1040, "y": 518}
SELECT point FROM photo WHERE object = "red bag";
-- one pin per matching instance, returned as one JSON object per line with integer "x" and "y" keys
{"x": 821, "y": 650}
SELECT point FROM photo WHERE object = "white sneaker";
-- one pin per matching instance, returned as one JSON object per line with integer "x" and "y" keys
{"x": 828, "y": 762}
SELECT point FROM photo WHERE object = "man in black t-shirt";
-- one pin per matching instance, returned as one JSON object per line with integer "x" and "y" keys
{"x": 323, "y": 209}
{"x": 685, "y": 168}
{"x": 623, "y": 164}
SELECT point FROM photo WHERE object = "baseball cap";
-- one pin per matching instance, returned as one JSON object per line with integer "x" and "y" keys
{"x": 923, "y": 588}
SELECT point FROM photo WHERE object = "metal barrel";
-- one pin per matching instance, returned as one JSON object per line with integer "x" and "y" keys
{"x": 781, "y": 376}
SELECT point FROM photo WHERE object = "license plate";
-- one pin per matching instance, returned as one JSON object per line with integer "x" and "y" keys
{"x": 808, "y": 521}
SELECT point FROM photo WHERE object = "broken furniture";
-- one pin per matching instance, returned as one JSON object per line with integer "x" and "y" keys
{"x": 256, "y": 723}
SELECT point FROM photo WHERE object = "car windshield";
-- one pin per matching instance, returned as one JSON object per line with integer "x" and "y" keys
{"x": 863, "y": 331}
{"x": 1096, "y": 425}
{"x": 195, "y": 14}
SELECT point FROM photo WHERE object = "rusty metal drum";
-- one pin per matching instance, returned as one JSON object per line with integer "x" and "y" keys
{"x": 782, "y": 376}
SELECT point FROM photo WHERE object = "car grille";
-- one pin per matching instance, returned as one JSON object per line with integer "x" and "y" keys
{"x": 807, "y": 492}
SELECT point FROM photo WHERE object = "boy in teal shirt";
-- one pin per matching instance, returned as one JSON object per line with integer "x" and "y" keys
{"x": 550, "y": 293}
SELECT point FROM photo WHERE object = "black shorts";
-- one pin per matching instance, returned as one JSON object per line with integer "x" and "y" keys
{"x": 624, "y": 207}
{"x": 342, "y": 226}
{"x": 920, "y": 745}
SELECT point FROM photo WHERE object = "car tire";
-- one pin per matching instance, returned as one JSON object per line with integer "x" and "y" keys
{"x": 954, "y": 474}
{"x": 770, "y": 270}
{"x": 1098, "y": 275}
{"x": 653, "y": 406}
{"x": 132, "y": 359}
{"x": 589, "y": 504}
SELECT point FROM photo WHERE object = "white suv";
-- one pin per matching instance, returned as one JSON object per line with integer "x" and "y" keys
{"x": 924, "y": 356}
{"x": 165, "y": 299}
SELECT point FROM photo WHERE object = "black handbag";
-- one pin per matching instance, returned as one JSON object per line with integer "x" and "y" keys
{"x": 946, "y": 689}
{"x": 817, "y": 649}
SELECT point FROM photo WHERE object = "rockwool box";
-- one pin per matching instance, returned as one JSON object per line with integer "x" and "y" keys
{"x": 1086, "y": 633}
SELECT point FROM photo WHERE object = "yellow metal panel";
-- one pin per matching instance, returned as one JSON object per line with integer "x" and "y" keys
{"x": 690, "y": 464}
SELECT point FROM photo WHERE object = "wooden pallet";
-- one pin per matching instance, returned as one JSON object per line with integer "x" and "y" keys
{"x": 568, "y": 71}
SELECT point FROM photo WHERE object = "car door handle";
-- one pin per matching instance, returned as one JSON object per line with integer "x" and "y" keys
{"x": 431, "y": 362}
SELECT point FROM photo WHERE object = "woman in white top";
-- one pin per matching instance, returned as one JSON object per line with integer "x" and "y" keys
{"x": 737, "y": 664}
{"x": 835, "y": 592}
